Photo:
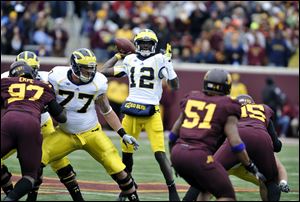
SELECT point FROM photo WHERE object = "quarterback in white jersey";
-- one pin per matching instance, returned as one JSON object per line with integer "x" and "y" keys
{"x": 145, "y": 71}
{"x": 78, "y": 89}
{"x": 145, "y": 77}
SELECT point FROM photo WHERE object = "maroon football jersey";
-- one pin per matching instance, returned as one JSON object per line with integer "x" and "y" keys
{"x": 256, "y": 116}
{"x": 22, "y": 94}
{"x": 205, "y": 118}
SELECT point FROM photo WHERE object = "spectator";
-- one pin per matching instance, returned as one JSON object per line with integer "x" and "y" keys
{"x": 206, "y": 55}
{"x": 125, "y": 32}
{"x": 26, "y": 25}
{"x": 16, "y": 42}
{"x": 234, "y": 51}
{"x": 273, "y": 97}
{"x": 41, "y": 37}
{"x": 4, "y": 41}
{"x": 60, "y": 38}
{"x": 278, "y": 51}
{"x": 237, "y": 87}
{"x": 99, "y": 43}
{"x": 172, "y": 21}
{"x": 197, "y": 18}
{"x": 58, "y": 9}
{"x": 42, "y": 51}
{"x": 288, "y": 121}
{"x": 256, "y": 54}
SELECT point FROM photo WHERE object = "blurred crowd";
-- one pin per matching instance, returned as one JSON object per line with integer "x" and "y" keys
{"x": 264, "y": 33}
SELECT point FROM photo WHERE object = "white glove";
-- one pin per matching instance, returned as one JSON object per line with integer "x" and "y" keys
{"x": 130, "y": 140}
{"x": 284, "y": 187}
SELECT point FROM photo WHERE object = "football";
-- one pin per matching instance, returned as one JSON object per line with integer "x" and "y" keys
{"x": 124, "y": 45}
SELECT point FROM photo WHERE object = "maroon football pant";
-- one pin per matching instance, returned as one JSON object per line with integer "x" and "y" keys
{"x": 259, "y": 147}
{"x": 22, "y": 131}
{"x": 200, "y": 171}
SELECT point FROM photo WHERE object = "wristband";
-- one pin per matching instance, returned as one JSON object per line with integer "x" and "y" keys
{"x": 121, "y": 132}
{"x": 238, "y": 148}
{"x": 118, "y": 56}
{"x": 172, "y": 137}
{"x": 283, "y": 182}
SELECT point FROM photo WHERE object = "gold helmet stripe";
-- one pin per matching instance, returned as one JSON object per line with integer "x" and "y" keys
{"x": 84, "y": 56}
{"x": 146, "y": 35}
{"x": 30, "y": 58}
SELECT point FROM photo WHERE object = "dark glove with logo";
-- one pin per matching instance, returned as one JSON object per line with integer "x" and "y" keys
{"x": 254, "y": 170}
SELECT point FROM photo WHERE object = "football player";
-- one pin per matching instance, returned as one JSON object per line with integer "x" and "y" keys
{"x": 205, "y": 120}
{"x": 46, "y": 129}
{"x": 145, "y": 70}
{"x": 257, "y": 131}
{"x": 24, "y": 98}
{"x": 79, "y": 89}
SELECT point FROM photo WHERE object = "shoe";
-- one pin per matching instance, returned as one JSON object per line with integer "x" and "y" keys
{"x": 173, "y": 195}
{"x": 121, "y": 197}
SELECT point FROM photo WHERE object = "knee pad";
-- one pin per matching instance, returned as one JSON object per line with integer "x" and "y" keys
{"x": 66, "y": 174}
{"x": 5, "y": 175}
{"x": 125, "y": 184}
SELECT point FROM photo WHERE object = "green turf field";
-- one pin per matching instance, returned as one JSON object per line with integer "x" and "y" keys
{"x": 96, "y": 185}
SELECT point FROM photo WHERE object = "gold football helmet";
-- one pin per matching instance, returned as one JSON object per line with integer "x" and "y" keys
{"x": 31, "y": 59}
{"x": 145, "y": 42}
{"x": 84, "y": 64}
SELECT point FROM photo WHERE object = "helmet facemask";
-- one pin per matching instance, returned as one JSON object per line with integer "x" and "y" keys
{"x": 85, "y": 73}
{"x": 145, "y": 47}
{"x": 145, "y": 42}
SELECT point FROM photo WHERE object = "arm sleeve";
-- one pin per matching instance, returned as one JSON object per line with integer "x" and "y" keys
{"x": 276, "y": 142}
{"x": 167, "y": 68}
{"x": 119, "y": 71}
{"x": 57, "y": 111}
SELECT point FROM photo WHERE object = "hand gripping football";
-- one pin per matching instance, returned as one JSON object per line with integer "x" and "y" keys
{"x": 124, "y": 45}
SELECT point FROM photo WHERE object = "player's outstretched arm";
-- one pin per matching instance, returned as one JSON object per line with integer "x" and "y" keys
{"x": 113, "y": 120}
{"x": 57, "y": 111}
{"x": 107, "y": 68}
{"x": 239, "y": 148}
{"x": 174, "y": 83}
{"x": 282, "y": 176}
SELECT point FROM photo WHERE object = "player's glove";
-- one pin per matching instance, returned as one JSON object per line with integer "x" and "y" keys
{"x": 277, "y": 146}
{"x": 284, "y": 187}
{"x": 120, "y": 56}
{"x": 254, "y": 170}
{"x": 168, "y": 52}
{"x": 128, "y": 139}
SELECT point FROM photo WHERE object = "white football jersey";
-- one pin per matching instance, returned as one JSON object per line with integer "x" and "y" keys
{"x": 42, "y": 75}
{"x": 78, "y": 100}
{"x": 145, "y": 77}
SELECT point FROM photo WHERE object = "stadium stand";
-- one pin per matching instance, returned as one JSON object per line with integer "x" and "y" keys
{"x": 233, "y": 32}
